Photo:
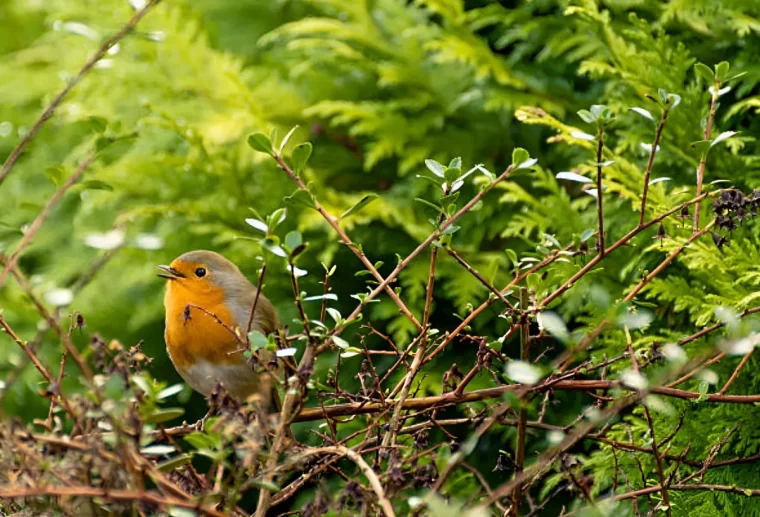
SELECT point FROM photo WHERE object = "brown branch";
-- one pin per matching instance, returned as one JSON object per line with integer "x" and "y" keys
{"x": 480, "y": 277}
{"x": 50, "y": 110}
{"x": 650, "y": 163}
{"x": 703, "y": 160}
{"x": 333, "y": 222}
{"x": 565, "y": 358}
{"x": 12, "y": 492}
{"x": 523, "y": 412}
{"x": 736, "y": 371}
{"x": 622, "y": 241}
{"x": 483, "y": 306}
{"x": 698, "y": 369}
{"x": 600, "y": 213}
{"x": 374, "y": 482}
{"x": 251, "y": 315}
{"x": 29, "y": 234}
{"x": 658, "y": 463}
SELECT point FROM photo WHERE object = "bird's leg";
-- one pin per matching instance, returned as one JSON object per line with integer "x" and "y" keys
{"x": 213, "y": 405}
{"x": 200, "y": 425}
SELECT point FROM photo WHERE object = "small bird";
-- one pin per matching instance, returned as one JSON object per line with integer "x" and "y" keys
{"x": 208, "y": 303}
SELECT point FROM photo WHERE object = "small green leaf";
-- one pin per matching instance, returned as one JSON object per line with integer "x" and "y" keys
{"x": 272, "y": 246}
{"x": 164, "y": 415}
{"x": 450, "y": 229}
{"x": 600, "y": 111}
{"x": 704, "y": 71}
{"x": 428, "y": 203}
{"x": 257, "y": 224}
{"x": 350, "y": 352}
{"x": 435, "y": 167}
{"x": 257, "y": 340}
{"x": 512, "y": 256}
{"x": 175, "y": 462}
{"x": 276, "y": 217}
{"x": 702, "y": 147}
{"x": 261, "y": 143}
{"x": 451, "y": 198}
{"x": 55, "y": 174}
{"x": 369, "y": 198}
{"x": 644, "y": 113}
{"x": 293, "y": 240}
{"x": 456, "y": 163}
{"x": 452, "y": 174}
{"x": 157, "y": 450}
{"x": 340, "y": 342}
{"x": 587, "y": 234}
{"x": 300, "y": 198}
{"x": 519, "y": 155}
{"x": 170, "y": 391}
{"x": 721, "y": 70}
{"x": 287, "y": 137}
{"x": 723, "y": 136}
{"x": 95, "y": 185}
{"x": 335, "y": 315}
{"x": 586, "y": 116}
{"x": 300, "y": 156}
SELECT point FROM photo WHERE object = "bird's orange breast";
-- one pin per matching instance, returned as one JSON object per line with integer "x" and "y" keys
{"x": 193, "y": 334}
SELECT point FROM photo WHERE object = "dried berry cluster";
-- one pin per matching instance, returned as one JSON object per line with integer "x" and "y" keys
{"x": 731, "y": 208}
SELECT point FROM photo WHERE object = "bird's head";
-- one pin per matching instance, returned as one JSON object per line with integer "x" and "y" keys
{"x": 202, "y": 272}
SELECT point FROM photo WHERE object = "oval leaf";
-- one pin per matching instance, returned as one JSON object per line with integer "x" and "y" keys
{"x": 572, "y": 176}
{"x": 260, "y": 142}
{"x": 369, "y": 198}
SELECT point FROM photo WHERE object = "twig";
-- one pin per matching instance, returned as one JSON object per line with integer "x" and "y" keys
{"x": 565, "y": 358}
{"x": 622, "y": 241}
{"x": 599, "y": 196}
{"x": 374, "y": 481}
{"x": 251, "y": 315}
{"x": 29, "y": 234}
{"x": 347, "y": 241}
{"x": 50, "y": 110}
{"x": 703, "y": 160}
{"x": 523, "y": 412}
{"x": 658, "y": 463}
{"x": 736, "y": 371}
{"x": 11, "y": 491}
{"x": 650, "y": 163}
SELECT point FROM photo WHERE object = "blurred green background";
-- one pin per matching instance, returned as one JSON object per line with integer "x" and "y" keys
{"x": 378, "y": 86}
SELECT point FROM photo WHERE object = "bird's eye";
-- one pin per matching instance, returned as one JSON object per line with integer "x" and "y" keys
{"x": 200, "y": 272}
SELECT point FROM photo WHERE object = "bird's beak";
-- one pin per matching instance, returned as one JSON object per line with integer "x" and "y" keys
{"x": 169, "y": 273}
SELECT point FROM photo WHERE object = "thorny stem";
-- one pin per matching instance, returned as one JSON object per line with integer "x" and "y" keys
{"x": 703, "y": 160}
{"x": 650, "y": 164}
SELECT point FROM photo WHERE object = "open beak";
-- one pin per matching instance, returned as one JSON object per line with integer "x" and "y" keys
{"x": 169, "y": 273}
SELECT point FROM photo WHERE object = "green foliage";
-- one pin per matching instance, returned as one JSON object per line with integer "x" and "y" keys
{"x": 384, "y": 93}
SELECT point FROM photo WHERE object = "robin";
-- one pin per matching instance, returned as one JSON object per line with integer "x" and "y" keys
{"x": 208, "y": 303}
